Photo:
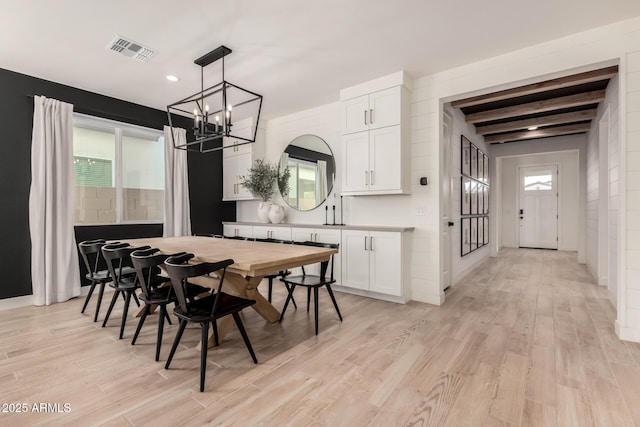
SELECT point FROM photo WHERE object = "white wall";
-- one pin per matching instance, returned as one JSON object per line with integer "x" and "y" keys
{"x": 323, "y": 121}
{"x": 461, "y": 265}
{"x": 602, "y": 214}
{"x": 568, "y": 189}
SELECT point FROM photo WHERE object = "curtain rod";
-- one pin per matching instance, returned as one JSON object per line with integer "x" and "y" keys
{"x": 100, "y": 113}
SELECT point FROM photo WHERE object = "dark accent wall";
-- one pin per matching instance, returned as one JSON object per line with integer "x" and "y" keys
{"x": 16, "y": 121}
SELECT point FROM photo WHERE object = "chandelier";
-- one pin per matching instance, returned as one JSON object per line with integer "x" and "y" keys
{"x": 220, "y": 113}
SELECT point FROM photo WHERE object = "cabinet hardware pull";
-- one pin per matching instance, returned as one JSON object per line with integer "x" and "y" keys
{"x": 365, "y": 117}
{"x": 371, "y": 243}
{"x": 371, "y": 116}
{"x": 311, "y": 237}
{"x": 371, "y": 177}
{"x": 316, "y": 237}
{"x": 365, "y": 243}
{"x": 366, "y": 177}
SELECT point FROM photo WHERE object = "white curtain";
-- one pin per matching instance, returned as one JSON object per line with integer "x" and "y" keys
{"x": 321, "y": 182}
{"x": 177, "y": 215}
{"x": 55, "y": 274}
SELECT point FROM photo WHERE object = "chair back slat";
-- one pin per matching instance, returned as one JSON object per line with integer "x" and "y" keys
{"x": 115, "y": 255}
{"x": 90, "y": 253}
{"x": 180, "y": 272}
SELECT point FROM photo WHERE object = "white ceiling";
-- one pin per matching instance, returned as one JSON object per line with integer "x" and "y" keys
{"x": 297, "y": 53}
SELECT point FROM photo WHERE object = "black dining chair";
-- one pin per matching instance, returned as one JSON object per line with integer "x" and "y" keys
{"x": 91, "y": 256}
{"x": 313, "y": 282}
{"x": 116, "y": 255}
{"x": 279, "y": 274}
{"x": 203, "y": 310}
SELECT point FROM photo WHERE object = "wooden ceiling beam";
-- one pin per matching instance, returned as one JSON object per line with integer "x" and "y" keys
{"x": 540, "y": 133}
{"x": 562, "y": 82}
{"x": 556, "y": 119}
{"x": 537, "y": 107}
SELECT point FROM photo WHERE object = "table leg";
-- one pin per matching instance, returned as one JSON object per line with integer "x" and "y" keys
{"x": 247, "y": 288}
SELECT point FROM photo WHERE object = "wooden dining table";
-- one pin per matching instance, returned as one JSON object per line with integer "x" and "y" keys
{"x": 252, "y": 261}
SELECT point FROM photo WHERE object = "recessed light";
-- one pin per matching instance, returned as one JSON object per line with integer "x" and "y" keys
{"x": 172, "y": 78}
{"x": 532, "y": 128}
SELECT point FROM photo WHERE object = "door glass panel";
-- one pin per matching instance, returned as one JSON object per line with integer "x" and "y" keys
{"x": 537, "y": 183}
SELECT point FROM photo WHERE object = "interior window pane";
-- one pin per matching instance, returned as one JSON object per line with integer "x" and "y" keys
{"x": 94, "y": 166}
{"x": 143, "y": 178}
{"x": 537, "y": 183}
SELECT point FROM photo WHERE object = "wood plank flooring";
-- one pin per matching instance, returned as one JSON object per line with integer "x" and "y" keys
{"x": 526, "y": 339}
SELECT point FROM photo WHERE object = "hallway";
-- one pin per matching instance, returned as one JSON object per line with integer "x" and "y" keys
{"x": 549, "y": 339}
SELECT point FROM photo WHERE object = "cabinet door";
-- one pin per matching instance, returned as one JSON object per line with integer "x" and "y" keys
{"x": 302, "y": 234}
{"x": 260, "y": 232}
{"x": 229, "y": 178}
{"x": 385, "y": 107}
{"x": 385, "y": 159}
{"x": 355, "y": 158}
{"x": 243, "y": 163}
{"x": 355, "y": 259}
{"x": 244, "y": 230}
{"x": 355, "y": 115}
{"x": 280, "y": 233}
{"x": 229, "y": 230}
{"x": 385, "y": 262}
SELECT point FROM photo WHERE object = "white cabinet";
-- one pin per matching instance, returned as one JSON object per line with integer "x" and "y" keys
{"x": 372, "y": 111}
{"x": 266, "y": 232}
{"x": 237, "y": 158}
{"x": 236, "y": 230}
{"x": 233, "y": 168}
{"x": 375, "y": 146}
{"x": 374, "y": 161}
{"x": 373, "y": 261}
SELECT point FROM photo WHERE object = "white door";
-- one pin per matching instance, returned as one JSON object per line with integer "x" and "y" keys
{"x": 384, "y": 108}
{"x": 446, "y": 220}
{"x": 385, "y": 159}
{"x": 385, "y": 262}
{"x": 538, "y": 210}
{"x": 355, "y": 259}
{"x": 355, "y": 153}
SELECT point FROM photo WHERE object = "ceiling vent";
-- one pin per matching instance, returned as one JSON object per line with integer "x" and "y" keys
{"x": 130, "y": 48}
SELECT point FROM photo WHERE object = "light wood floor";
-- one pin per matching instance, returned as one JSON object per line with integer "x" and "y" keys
{"x": 525, "y": 340}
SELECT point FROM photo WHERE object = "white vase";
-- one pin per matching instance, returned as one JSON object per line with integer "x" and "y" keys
{"x": 276, "y": 214}
{"x": 263, "y": 211}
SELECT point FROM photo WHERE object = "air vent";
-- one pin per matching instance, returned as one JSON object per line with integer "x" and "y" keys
{"x": 130, "y": 48}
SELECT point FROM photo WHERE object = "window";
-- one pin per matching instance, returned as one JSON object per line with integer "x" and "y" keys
{"x": 537, "y": 183}
{"x": 302, "y": 184}
{"x": 119, "y": 172}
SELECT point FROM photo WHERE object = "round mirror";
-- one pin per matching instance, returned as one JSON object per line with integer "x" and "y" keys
{"x": 311, "y": 172}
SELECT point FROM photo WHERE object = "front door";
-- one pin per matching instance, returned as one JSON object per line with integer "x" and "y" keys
{"x": 538, "y": 210}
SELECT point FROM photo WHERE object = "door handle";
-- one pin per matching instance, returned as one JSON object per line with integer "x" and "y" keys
{"x": 450, "y": 223}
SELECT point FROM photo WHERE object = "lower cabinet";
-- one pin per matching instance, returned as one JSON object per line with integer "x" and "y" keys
{"x": 369, "y": 263}
{"x": 372, "y": 261}
{"x": 235, "y": 230}
{"x": 266, "y": 232}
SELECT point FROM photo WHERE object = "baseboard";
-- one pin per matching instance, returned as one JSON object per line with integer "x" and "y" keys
{"x": 603, "y": 281}
{"x": 26, "y": 300}
{"x": 369, "y": 294}
{"x": 627, "y": 334}
{"x": 16, "y": 302}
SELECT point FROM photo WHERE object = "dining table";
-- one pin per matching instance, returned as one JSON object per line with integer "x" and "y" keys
{"x": 252, "y": 260}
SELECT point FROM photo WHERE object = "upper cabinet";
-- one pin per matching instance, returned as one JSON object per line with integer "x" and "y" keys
{"x": 375, "y": 141}
{"x": 372, "y": 111}
{"x": 237, "y": 158}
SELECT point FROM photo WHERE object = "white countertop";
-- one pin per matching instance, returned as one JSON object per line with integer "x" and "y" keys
{"x": 338, "y": 227}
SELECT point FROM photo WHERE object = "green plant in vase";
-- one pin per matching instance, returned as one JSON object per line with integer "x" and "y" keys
{"x": 260, "y": 180}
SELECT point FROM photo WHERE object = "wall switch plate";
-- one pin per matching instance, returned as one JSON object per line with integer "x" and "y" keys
{"x": 421, "y": 211}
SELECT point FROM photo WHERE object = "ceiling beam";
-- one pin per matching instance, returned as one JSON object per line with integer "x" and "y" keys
{"x": 562, "y": 82}
{"x": 540, "y": 133}
{"x": 538, "y": 107}
{"x": 556, "y": 119}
